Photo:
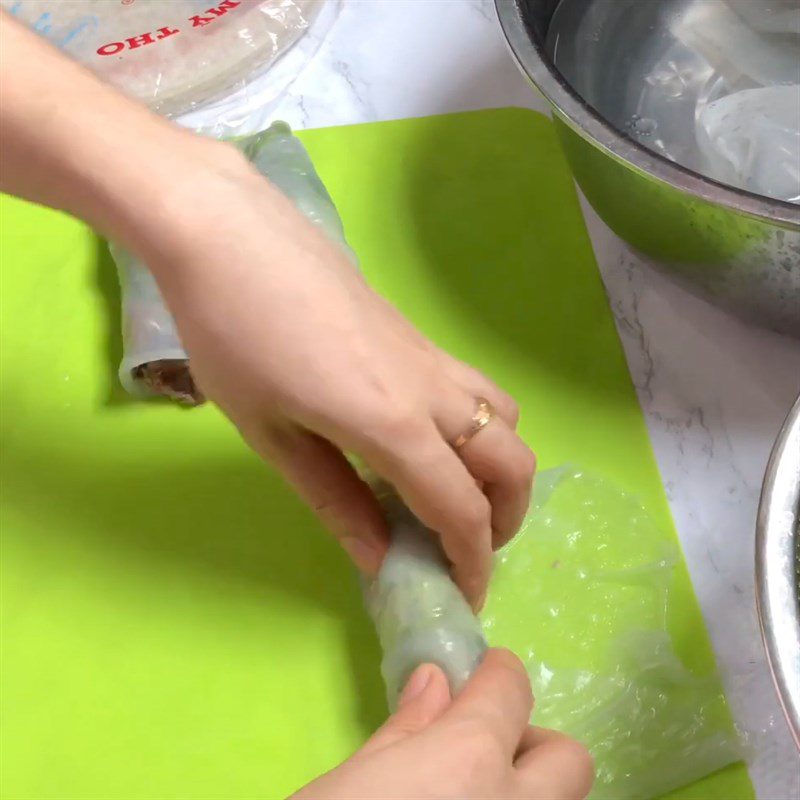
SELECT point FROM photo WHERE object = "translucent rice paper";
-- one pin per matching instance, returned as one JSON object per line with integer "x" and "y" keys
{"x": 420, "y": 615}
{"x": 175, "y": 54}
{"x": 583, "y": 596}
{"x": 250, "y": 107}
{"x": 149, "y": 335}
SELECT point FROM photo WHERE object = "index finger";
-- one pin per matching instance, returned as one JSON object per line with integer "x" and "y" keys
{"x": 497, "y": 698}
{"x": 436, "y": 486}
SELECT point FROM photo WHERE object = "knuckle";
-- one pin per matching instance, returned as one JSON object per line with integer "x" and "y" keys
{"x": 523, "y": 467}
{"x": 480, "y": 750}
{"x": 386, "y": 428}
{"x": 475, "y": 515}
{"x": 508, "y": 659}
{"x": 519, "y": 682}
{"x": 510, "y": 409}
{"x": 528, "y": 467}
{"x": 407, "y": 725}
{"x": 575, "y": 756}
{"x": 511, "y": 673}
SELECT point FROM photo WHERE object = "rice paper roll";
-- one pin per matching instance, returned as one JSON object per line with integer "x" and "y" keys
{"x": 420, "y": 614}
{"x": 154, "y": 361}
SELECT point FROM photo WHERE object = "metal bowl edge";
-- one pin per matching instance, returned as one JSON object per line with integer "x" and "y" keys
{"x": 588, "y": 123}
{"x": 777, "y": 532}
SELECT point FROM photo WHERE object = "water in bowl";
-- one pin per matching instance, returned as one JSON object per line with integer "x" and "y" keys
{"x": 713, "y": 85}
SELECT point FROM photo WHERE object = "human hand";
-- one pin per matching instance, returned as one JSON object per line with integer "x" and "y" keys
{"x": 282, "y": 331}
{"x": 310, "y": 363}
{"x": 476, "y": 747}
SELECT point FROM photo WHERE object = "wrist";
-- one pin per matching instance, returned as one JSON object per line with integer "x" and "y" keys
{"x": 69, "y": 141}
{"x": 138, "y": 189}
{"x": 153, "y": 199}
{"x": 186, "y": 203}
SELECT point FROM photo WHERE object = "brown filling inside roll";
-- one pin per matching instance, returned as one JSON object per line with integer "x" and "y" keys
{"x": 170, "y": 378}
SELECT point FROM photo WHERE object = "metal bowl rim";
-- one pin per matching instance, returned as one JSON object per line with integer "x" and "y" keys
{"x": 537, "y": 65}
{"x": 776, "y": 566}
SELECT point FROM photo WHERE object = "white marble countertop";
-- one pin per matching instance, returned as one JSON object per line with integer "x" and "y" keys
{"x": 714, "y": 390}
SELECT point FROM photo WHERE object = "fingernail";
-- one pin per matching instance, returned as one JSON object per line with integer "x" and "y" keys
{"x": 419, "y": 679}
{"x": 364, "y": 555}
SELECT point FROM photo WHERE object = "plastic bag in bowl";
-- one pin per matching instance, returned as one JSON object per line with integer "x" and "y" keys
{"x": 751, "y": 139}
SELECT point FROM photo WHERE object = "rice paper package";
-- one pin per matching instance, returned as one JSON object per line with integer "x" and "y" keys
{"x": 174, "y": 54}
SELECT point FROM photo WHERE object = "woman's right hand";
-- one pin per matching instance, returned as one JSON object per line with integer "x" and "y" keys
{"x": 310, "y": 363}
{"x": 476, "y": 747}
{"x": 283, "y": 333}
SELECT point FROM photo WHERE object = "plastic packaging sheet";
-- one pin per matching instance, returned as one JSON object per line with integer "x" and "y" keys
{"x": 154, "y": 361}
{"x": 249, "y": 108}
{"x": 177, "y": 54}
{"x": 583, "y": 596}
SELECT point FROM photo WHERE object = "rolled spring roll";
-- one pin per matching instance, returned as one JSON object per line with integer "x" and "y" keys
{"x": 154, "y": 361}
{"x": 420, "y": 615}
{"x": 281, "y": 158}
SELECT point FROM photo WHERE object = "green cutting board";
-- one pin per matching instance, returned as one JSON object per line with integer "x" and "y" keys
{"x": 175, "y": 623}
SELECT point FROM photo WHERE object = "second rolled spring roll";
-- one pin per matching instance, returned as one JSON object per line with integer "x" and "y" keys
{"x": 420, "y": 614}
{"x": 154, "y": 361}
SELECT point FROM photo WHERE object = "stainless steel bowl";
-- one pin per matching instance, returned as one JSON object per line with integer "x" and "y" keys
{"x": 778, "y": 567}
{"x": 739, "y": 249}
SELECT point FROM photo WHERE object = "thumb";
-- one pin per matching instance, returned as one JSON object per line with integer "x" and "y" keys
{"x": 423, "y": 701}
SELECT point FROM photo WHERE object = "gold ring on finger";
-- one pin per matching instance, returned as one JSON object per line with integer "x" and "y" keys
{"x": 480, "y": 419}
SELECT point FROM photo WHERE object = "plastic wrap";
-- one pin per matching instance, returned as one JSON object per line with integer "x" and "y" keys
{"x": 176, "y": 54}
{"x": 583, "y": 596}
{"x": 748, "y": 115}
{"x": 742, "y": 48}
{"x": 772, "y": 16}
{"x": 250, "y": 107}
{"x": 154, "y": 361}
{"x": 419, "y": 613}
{"x": 751, "y": 139}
